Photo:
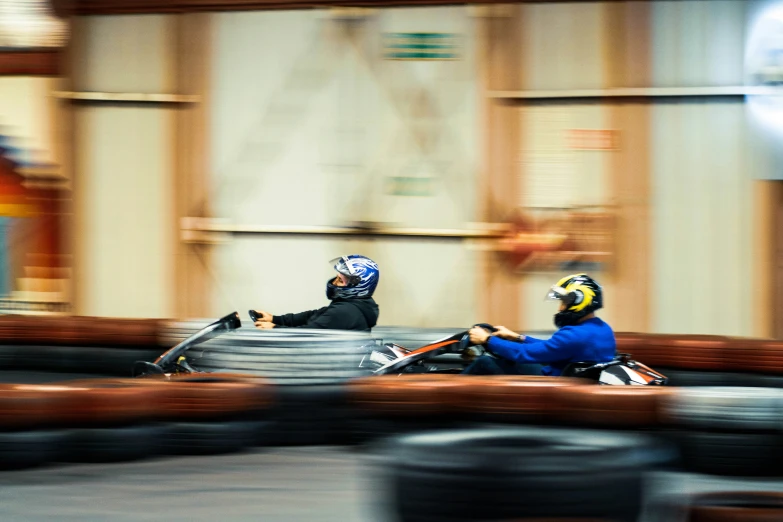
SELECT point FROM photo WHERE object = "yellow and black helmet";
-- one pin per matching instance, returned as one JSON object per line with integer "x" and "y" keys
{"x": 582, "y": 296}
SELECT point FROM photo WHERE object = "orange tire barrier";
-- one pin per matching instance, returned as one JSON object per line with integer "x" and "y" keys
{"x": 79, "y": 331}
{"x": 629, "y": 406}
{"x": 704, "y": 352}
{"x": 631, "y": 342}
{"x": 525, "y": 396}
{"x": 751, "y": 506}
{"x": 118, "y": 401}
{"x": 414, "y": 395}
{"x": 694, "y": 352}
{"x": 28, "y": 406}
{"x": 201, "y": 396}
{"x": 758, "y": 355}
{"x": 92, "y": 403}
{"x": 701, "y": 352}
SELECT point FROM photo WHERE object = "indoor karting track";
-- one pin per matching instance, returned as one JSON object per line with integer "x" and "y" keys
{"x": 305, "y": 480}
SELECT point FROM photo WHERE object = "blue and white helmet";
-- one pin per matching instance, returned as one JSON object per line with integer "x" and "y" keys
{"x": 362, "y": 274}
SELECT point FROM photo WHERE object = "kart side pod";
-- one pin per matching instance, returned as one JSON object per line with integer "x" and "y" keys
{"x": 622, "y": 371}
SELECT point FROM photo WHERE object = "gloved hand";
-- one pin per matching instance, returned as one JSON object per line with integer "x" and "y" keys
{"x": 264, "y": 325}
{"x": 263, "y": 317}
{"x": 478, "y": 335}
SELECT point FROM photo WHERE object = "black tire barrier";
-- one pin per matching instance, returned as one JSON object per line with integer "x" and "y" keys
{"x": 27, "y": 449}
{"x": 101, "y": 361}
{"x": 728, "y": 431}
{"x": 731, "y": 454}
{"x": 367, "y": 431}
{"x": 213, "y": 438}
{"x": 310, "y": 415}
{"x": 691, "y": 378}
{"x": 518, "y": 473}
{"x": 117, "y": 444}
{"x": 41, "y": 377}
{"x": 757, "y": 409}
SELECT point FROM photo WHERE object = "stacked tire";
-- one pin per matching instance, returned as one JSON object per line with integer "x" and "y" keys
{"x": 123, "y": 419}
{"x": 517, "y": 473}
{"x": 729, "y": 431}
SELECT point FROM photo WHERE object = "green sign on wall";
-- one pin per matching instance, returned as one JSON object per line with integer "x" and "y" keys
{"x": 410, "y": 186}
{"x": 421, "y": 46}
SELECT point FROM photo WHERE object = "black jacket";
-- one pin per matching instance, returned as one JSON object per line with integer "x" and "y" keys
{"x": 341, "y": 314}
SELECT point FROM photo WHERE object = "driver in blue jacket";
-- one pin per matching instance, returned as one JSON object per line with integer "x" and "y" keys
{"x": 581, "y": 336}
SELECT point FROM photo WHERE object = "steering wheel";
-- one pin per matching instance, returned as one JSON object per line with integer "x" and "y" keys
{"x": 486, "y": 326}
{"x": 466, "y": 338}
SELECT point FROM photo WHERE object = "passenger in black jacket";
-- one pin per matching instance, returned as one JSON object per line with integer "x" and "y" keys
{"x": 350, "y": 292}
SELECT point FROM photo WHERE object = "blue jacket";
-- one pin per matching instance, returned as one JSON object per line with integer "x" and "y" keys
{"x": 591, "y": 340}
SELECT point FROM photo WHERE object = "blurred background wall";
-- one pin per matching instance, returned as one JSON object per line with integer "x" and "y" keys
{"x": 194, "y": 140}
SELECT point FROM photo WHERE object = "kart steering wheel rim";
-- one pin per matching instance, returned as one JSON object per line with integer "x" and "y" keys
{"x": 484, "y": 347}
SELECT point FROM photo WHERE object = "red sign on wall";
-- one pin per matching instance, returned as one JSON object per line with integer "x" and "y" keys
{"x": 592, "y": 139}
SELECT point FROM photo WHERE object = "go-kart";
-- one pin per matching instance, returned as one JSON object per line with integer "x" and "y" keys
{"x": 173, "y": 361}
{"x": 392, "y": 359}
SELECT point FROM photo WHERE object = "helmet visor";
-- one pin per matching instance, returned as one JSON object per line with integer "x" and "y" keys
{"x": 557, "y": 293}
{"x": 343, "y": 266}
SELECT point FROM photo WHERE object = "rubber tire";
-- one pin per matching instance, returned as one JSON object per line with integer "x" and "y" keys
{"x": 213, "y": 438}
{"x": 310, "y": 415}
{"x": 688, "y": 378}
{"x": 732, "y": 454}
{"x": 73, "y": 359}
{"x": 116, "y": 444}
{"x": 513, "y": 473}
{"x": 27, "y": 449}
{"x": 724, "y": 408}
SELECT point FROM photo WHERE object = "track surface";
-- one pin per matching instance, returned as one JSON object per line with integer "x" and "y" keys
{"x": 292, "y": 485}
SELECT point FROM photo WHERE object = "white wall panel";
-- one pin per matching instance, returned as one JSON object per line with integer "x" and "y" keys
{"x": 126, "y": 53}
{"x": 703, "y": 228}
{"x": 125, "y": 192}
{"x": 698, "y": 43}
{"x": 124, "y": 171}
{"x": 703, "y": 170}
{"x": 309, "y": 133}
{"x": 562, "y": 46}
